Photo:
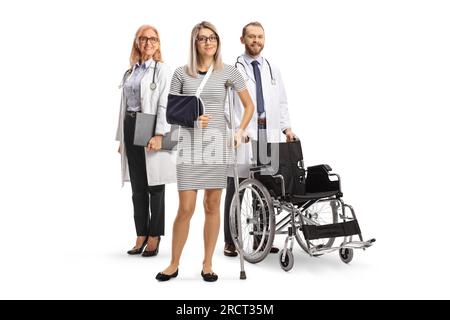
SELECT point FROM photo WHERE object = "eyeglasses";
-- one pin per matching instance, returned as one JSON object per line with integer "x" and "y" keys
{"x": 203, "y": 39}
{"x": 152, "y": 40}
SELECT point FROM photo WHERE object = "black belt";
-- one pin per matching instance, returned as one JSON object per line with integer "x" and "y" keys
{"x": 131, "y": 113}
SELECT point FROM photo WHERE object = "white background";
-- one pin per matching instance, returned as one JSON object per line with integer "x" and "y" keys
{"x": 368, "y": 85}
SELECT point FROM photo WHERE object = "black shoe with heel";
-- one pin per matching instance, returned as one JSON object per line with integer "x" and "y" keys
{"x": 166, "y": 277}
{"x": 152, "y": 253}
{"x": 138, "y": 250}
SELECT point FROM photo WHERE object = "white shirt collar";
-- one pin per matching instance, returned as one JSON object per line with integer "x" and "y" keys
{"x": 147, "y": 63}
{"x": 248, "y": 60}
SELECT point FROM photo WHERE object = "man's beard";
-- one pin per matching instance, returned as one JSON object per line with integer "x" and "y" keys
{"x": 253, "y": 51}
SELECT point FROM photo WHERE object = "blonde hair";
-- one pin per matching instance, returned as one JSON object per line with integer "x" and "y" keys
{"x": 136, "y": 55}
{"x": 193, "y": 54}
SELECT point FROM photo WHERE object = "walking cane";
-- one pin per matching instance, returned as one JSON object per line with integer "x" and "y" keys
{"x": 240, "y": 248}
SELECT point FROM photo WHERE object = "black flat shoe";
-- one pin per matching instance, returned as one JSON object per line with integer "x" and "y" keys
{"x": 209, "y": 277}
{"x": 166, "y": 277}
{"x": 152, "y": 253}
{"x": 138, "y": 250}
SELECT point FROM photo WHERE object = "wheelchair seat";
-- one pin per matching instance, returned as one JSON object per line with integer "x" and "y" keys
{"x": 311, "y": 196}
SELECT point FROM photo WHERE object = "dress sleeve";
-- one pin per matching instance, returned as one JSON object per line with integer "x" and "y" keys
{"x": 237, "y": 79}
{"x": 176, "y": 85}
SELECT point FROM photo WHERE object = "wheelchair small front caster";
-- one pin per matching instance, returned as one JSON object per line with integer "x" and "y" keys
{"x": 346, "y": 255}
{"x": 288, "y": 262}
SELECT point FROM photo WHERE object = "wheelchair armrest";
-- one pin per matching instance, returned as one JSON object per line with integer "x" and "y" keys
{"x": 320, "y": 167}
{"x": 318, "y": 179}
{"x": 264, "y": 170}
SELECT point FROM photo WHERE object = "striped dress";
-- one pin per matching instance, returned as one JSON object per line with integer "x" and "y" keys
{"x": 202, "y": 156}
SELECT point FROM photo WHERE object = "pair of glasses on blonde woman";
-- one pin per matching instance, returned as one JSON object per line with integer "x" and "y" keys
{"x": 203, "y": 39}
{"x": 152, "y": 40}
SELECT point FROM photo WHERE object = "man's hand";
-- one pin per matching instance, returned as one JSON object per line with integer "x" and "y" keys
{"x": 290, "y": 136}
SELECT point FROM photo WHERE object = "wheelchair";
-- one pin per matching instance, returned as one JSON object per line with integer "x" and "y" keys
{"x": 305, "y": 204}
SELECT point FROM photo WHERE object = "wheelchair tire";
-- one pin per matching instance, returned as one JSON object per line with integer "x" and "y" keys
{"x": 288, "y": 262}
{"x": 257, "y": 214}
{"x": 346, "y": 255}
{"x": 320, "y": 213}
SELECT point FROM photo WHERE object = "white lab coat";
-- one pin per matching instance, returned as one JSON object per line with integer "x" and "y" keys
{"x": 161, "y": 165}
{"x": 276, "y": 108}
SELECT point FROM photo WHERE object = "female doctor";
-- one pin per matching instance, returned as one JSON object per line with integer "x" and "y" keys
{"x": 145, "y": 87}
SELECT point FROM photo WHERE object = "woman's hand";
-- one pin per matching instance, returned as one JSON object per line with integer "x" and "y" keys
{"x": 203, "y": 121}
{"x": 239, "y": 137}
{"x": 154, "y": 144}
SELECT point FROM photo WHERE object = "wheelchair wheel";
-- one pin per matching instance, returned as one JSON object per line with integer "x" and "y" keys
{"x": 288, "y": 262}
{"x": 320, "y": 213}
{"x": 346, "y": 255}
{"x": 257, "y": 220}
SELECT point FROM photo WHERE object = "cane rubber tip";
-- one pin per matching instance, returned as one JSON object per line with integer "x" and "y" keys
{"x": 243, "y": 276}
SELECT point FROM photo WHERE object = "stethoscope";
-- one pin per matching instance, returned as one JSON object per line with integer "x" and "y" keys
{"x": 152, "y": 85}
{"x": 274, "y": 83}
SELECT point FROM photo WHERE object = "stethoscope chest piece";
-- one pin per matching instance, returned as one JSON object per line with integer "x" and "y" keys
{"x": 153, "y": 86}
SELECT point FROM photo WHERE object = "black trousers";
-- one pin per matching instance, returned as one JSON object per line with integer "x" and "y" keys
{"x": 147, "y": 222}
{"x": 228, "y": 198}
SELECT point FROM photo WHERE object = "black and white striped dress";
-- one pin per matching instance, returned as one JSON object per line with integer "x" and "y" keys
{"x": 203, "y": 153}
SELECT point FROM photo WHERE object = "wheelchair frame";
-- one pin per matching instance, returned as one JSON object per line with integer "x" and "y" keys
{"x": 298, "y": 221}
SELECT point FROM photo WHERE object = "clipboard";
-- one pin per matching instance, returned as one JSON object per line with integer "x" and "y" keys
{"x": 145, "y": 130}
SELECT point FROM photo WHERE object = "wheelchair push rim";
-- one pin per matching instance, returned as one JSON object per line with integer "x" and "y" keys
{"x": 257, "y": 220}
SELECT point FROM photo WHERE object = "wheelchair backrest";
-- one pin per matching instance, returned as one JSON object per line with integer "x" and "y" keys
{"x": 286, "y": 159}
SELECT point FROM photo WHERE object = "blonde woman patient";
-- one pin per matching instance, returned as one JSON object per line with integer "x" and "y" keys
{"x": 145, "y": 87}
{"x": 202, "y": 151}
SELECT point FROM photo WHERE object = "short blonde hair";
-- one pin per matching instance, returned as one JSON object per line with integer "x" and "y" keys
{"x": 135, "y": 55}
{"x": 193, "y": 55}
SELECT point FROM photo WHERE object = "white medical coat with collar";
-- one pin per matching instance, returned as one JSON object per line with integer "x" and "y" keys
{"x": 275, "y": 105}
{"x": 160, "y": 165}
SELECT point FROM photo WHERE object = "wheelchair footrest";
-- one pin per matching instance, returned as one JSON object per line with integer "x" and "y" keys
{"x": 319, "y": 250}
{"x": 343, "y": 229}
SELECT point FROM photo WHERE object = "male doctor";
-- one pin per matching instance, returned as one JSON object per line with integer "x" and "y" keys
{"x": 270, "y": 120}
